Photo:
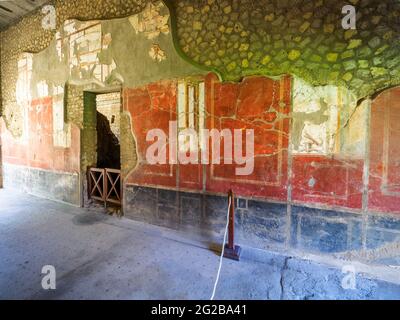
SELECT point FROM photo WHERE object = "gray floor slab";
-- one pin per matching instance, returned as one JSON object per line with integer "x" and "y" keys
{"x": 101, "y": 257}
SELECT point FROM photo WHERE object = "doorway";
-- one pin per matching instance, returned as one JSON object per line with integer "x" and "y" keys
{"x": 101, "y": 149}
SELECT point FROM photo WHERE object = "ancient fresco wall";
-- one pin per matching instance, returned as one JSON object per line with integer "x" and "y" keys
{"x": 258, "y": 104}
{"x": 80, "y": 56}
{"x": 327, "y": 155}
{"x": 286, "y": 69}
{"x": 331, "y": 202}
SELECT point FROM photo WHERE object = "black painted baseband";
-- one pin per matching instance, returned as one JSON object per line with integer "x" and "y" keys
{"x": 260, "y": 224}
{"x": 59, "y": 186}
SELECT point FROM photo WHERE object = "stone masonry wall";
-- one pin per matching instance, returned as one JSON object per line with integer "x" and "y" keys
{"x": 305, "y": 38}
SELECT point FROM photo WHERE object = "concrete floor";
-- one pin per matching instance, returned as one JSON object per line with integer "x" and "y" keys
{"x": 101, "y": 257}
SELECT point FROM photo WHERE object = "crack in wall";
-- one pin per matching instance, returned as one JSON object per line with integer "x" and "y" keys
{"x": 282, "y": 279}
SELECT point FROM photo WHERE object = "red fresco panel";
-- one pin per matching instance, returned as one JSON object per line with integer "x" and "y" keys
{"x": 327, "y": 181}
{"x": 68, "y": 159}
{"x": 39, "y": 151}
{"x": 151, "y": 107}
{"x": 191, "y": 177}
{"x": 260, "y": 104}
{"x": 13, "y": 151}
{"x": 40, "y": 134}
{"x": 384, "y": 175}
{"x": 235, "y": 106}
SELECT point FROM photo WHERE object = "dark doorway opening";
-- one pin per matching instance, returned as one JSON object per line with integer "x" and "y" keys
{"x": 108, "y": 107}
{"x": 108, "y": 146}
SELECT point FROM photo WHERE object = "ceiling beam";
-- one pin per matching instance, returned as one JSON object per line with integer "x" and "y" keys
{"x": 12, "y": 11}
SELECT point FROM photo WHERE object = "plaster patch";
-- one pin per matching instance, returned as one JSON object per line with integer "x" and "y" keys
{"x": 42, "y": 89}
{"x": 312, "y": 182}
{"x": 58, "y": 90}
{"x": 313, "y": 138}
{"x": 151, "y": 21}
{"x": 23, "y": 86}
{"x": 23, "y": 97}
{"x": 82, "y": 43}
{"x": 156, "y": 53}
{"x": 318, "y": 113}
{"x": 61, "y": 130}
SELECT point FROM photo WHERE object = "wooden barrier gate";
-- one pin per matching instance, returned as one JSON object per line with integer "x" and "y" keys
{"x": 105, "y": 185}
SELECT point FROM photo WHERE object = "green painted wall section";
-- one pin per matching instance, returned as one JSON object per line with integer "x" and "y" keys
{"x": 305, "y": 38}
{"x": 130, "y": 51}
